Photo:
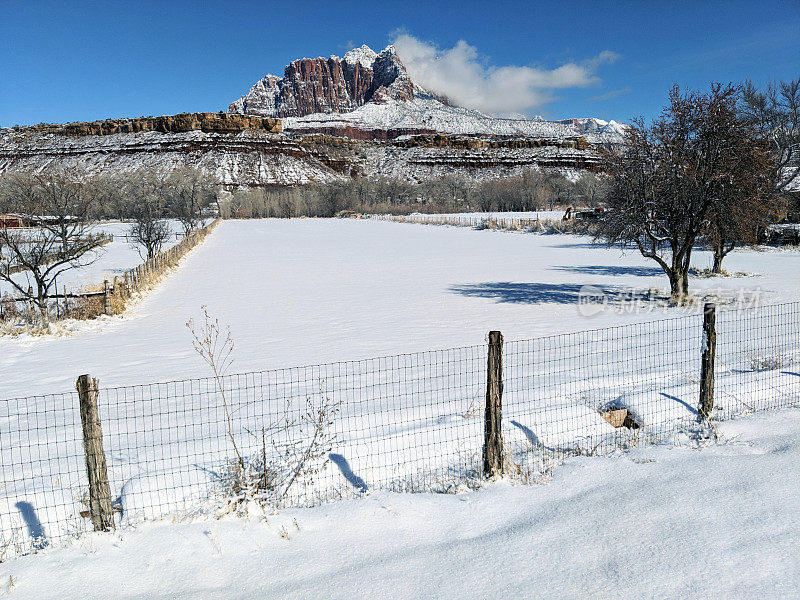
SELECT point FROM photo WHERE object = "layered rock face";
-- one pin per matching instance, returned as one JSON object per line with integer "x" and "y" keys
{"x": 181, "y": 123}
{"x": 249, "y": 158}
{"x": 329, "y": 85}
{"x": 257, "y": 158}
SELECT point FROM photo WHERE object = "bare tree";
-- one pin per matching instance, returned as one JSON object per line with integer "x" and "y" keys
{"x": 458, "y": 188}
{"x": 591, "y": 189}
{"x": 145, "y": 196}
{"x": 745, "y": 188}
{"x": 775, "y": 112}
{"x": 670, "y": 178}
{"x": 149, "y": 230}
{"x": 59, "y": 238}
{"x": 536, "y": 190}
{"x": 189, "y": 193}
{"x": 332, "y": 198}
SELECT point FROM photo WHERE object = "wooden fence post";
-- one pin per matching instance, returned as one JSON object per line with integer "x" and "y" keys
{"x": 493, "y": 433}
{"x": 106, "y": 298}
{"x": 707, "y": 361}
{"x": 99, "y": 490}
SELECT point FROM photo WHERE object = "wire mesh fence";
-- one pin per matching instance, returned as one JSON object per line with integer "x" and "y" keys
{"x": 306, "y": 435}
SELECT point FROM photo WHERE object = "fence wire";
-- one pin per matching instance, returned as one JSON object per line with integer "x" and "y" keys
{"x": 414, "y": 422}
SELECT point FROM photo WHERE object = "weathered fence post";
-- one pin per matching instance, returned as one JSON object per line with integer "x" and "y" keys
{"x": 707, "y": 364}
{"x": 106, "y": 298}
{"x": 99, "y": 490}
{"x": 493, "y": 434}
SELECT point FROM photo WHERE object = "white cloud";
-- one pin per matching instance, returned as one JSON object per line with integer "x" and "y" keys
{"x": 460, "y": 74}
{"x": 611, "y": 94}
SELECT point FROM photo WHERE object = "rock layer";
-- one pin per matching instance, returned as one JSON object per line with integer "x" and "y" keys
{"x": 181, "y": 123}
{"x": 257, "y": 158}
{"x": 328, "y": 85}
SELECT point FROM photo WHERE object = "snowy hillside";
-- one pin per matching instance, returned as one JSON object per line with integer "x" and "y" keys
{"x": 255, "y": 158}
{"x": 247, "y": 158}
{"x": 426, "y": 113}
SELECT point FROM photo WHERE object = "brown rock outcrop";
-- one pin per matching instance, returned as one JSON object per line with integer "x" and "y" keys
{"x": 329, "y": 85}
{"x": 180, "y": 123}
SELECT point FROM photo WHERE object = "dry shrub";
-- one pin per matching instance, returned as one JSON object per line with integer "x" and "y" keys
{"x": 83, "y": 308}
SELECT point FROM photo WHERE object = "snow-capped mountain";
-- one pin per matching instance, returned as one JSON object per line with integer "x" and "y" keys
{"x": 374, "y": 119}
{"x": 370, "y": 95}
{"x": 328, "y": 85}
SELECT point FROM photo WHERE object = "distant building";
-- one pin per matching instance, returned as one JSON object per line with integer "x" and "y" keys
{"x": 10, "y": 221}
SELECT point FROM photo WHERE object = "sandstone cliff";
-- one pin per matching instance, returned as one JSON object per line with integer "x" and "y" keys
{"x": 329, "y": 85}
{"x": 181, "y": 123}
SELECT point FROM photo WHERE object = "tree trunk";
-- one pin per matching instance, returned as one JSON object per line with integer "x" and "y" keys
{"x": 718, "y": 256}
{"x": 44, "y": 318}
{"x": 720, "y": 252}
{"x": 679, "y": 286}
{"x": 675, "y": 287}
{"x": 41, "y": 304}
{"x": 685, "y": 282}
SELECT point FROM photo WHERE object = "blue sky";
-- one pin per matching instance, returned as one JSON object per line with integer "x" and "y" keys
{"x": 74, "y": 61}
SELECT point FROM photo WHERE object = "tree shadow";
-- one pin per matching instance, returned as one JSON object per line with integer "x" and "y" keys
{"x": 612, "y": 270}
{"x": 691, "y": 408}
{"x": 35, "y": 529}
{"x": 550, "y": 293}
{"x": 568, "y": 245}
{"x": 354, "y": 480}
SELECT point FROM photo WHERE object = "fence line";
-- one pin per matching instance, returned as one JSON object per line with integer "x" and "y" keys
{"x": 468, "y": 221}
{"x": 578, "y": 221}
{"x": 147, "y": 274}
{"x": 116, "y": 294}
{"x": 410, "y": 422}
{"x": 489, "y": 222}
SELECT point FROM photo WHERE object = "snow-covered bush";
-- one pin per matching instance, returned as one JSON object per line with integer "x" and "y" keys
{"x": 763, "y": 361}
{"x": 293, "y": 450}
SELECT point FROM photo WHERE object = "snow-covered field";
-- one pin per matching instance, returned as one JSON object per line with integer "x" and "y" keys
{"x": 310, "y": 291}
{"x": 657, "y": 522}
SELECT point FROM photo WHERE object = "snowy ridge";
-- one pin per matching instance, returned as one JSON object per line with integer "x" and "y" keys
{"x": 428, "y": 113}
{"x": 259, "y": 158}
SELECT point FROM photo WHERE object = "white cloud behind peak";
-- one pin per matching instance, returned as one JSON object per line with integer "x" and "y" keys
{"x": 463, "y": 76}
